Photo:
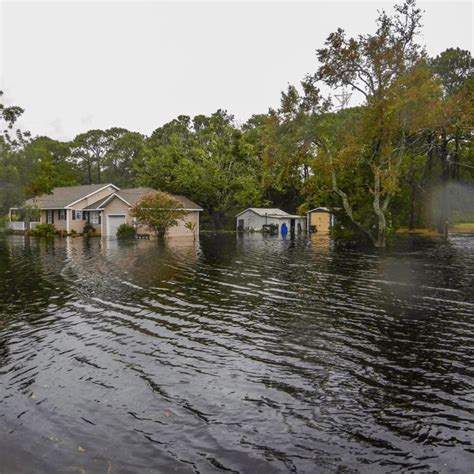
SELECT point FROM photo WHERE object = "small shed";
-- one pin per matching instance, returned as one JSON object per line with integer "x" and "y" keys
{"x": 256, "y": 219}
{"x": 320, "y": 220}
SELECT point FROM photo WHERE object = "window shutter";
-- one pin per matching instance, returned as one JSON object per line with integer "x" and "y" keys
{"x": 100, "y": 217}
{"x": 83, "y": 215}
{"x": 73, "y": 215}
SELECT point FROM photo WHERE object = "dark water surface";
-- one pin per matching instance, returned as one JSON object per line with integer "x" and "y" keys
{"x": 236, "y": 354}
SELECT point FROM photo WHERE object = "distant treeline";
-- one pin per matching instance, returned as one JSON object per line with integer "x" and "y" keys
{"x": 384, "y": 164}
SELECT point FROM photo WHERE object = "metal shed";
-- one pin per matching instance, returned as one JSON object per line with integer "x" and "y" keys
{"x": 256, "y": 219}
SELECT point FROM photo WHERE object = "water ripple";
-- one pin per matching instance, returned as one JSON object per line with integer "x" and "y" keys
{"x": 236, "y": 354}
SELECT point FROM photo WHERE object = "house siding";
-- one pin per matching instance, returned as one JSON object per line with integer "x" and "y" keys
{"x": 115, "y": 206}
{"x": 118, "y": 207}
{"x": 180, "y": 230}
{"x": 59, "y": 224}
{"x": 94, "y": 198}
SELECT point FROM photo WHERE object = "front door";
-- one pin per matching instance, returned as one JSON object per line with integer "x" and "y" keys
{"x": 113, "y": 223}
{"x": 50, "y": 217}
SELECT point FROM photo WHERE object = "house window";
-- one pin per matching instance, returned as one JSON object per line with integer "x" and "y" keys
{"x": 78, "y": 215}
{"x": 62, "y": 214}
{"x": 94, "y": 217}
{"x": 49, "y": 217}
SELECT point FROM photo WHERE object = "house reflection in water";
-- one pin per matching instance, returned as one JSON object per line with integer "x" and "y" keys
{"x": 320, "y": 242}
{"x": 136, "y": 262}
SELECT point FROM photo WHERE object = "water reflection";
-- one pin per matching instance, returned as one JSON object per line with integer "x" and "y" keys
{"x": 248, "y": 354}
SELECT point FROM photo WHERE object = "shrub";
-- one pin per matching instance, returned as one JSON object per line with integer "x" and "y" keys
{"x": 88, "y": 229}
{"x": 126, "y": 231}
{"x": 3, "y": 224}
{"x": 158, "y": 211}
{"x": 43, "y": 230}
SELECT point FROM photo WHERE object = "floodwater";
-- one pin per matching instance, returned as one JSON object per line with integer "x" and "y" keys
{"x": 236, "y": 354}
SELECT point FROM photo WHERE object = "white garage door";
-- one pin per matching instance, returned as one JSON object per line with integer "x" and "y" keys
{"x": 113, "y": 223}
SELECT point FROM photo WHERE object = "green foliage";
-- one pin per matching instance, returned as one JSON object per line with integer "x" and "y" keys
{"x": 47, "y": 165}
{"x": 158, "y": 211}
{"x": 8, "y": 117}
{"x": 3, "y": 224}
{"x": 207, "y": 159}
{"x": 88, "y": 229}
{"x": 454, "y": 67}
{"x": 191, "y": 226}
{"x": 126, "y": 231}
{"x": 111, "y": 155}
{"x": 43, "y": 230}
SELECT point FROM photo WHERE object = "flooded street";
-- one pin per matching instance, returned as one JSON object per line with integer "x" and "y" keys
{"x": 241, "y": 354}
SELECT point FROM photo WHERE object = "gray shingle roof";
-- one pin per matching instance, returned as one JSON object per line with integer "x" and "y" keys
{"x": 62, "y": 197}
{"x": 98, "y": 204}
{"x": 132, "y": 195}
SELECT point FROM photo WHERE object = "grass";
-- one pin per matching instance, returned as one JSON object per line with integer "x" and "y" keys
{"x": 465, "y": 228}
{"x": 419, "y": 231}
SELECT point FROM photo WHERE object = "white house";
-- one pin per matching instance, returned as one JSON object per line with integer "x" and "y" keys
{"x": 254, "y": 219}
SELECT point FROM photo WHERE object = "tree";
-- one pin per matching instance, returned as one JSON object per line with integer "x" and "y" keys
{"x": 47, "y": 164}
{"x": 454, "y": 67}
{"x": 123, "y": 157}
{"x": 451, "y": 136}
{"x": 91, "y": 149}
{"x": 159, "y": 211}
{"x": 8, "y": 116}
{"x": 380, "y": 66}
{"x": 10, "y": 176}
{"x": 208, "y": 160}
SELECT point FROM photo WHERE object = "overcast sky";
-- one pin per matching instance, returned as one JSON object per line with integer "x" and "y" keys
{"x": 83, "y": 65}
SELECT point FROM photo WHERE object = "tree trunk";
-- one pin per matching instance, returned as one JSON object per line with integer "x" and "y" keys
{"x": 89, "y": 171}
{"x": 381, "y": 240}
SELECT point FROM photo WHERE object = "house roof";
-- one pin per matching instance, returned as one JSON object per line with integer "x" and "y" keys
{"x": 98, "y": 204}
{"x": 132, "y": 195}
{"x": 270, "y": 212}
{"x": 64, "y": 196}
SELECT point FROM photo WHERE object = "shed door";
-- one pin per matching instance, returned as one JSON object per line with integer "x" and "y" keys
{"x": 113, "y": 223}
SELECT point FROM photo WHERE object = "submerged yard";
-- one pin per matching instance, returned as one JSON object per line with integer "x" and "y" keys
{"x": 247, "y": 354}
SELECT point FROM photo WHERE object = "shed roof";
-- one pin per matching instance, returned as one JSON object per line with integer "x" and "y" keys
{"x": 270, "y": 212}
{"x": 319, "y": 209}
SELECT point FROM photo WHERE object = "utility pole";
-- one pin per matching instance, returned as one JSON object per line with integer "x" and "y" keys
{"x": 343, "y": 98}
